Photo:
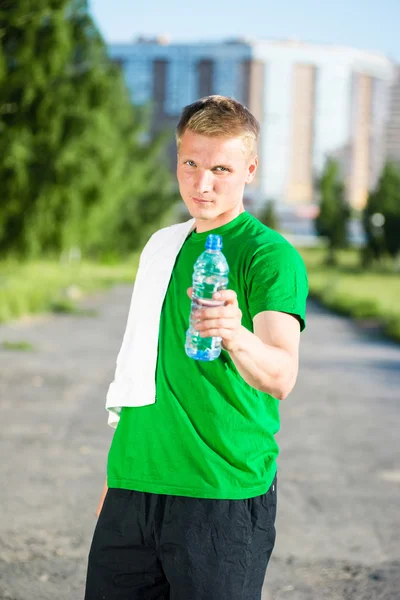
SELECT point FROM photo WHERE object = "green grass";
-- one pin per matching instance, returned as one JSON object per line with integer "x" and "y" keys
{"x": 45, "y": 286}
{"x": 20, "y": 346}
{"x": 351, "y": 290}
{"x": 68, "y": 307}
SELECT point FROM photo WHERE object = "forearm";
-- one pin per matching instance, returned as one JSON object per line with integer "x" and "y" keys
{"x": 264, "y": 367}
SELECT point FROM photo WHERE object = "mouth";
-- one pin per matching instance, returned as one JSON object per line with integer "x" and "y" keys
{"x": 200, "y": 201}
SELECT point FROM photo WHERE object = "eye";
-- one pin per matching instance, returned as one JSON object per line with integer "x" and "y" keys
{"x": 221, "y": 169}
{"x": 190, "y": 163}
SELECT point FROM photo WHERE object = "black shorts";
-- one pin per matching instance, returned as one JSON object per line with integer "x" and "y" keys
{"x": 161, "y": 547}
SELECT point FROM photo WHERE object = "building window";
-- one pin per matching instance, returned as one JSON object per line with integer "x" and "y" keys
{"x": 159, "y": 84}
{"x": 205, "y": 74}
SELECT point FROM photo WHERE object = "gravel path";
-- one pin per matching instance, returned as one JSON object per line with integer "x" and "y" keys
{"x": 339, "y": 479}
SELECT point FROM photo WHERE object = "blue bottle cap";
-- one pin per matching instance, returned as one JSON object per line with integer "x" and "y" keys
{"x": 214, "y": 242}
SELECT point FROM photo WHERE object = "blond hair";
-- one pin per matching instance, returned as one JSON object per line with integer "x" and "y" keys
{"x": 220, "y": 116}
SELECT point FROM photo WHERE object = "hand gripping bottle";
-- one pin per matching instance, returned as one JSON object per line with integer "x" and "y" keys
{"x": 210, "y": 275}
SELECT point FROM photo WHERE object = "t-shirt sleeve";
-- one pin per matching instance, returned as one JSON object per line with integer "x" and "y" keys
{"x": 277, "y": 280}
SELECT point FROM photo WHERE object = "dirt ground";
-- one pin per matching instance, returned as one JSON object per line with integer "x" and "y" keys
{"x": 338, "y": 525}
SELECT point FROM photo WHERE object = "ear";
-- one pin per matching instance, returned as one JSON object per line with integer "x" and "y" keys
{"x": 251, "y": 169}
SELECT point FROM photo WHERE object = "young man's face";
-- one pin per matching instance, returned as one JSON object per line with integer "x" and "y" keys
{"x": 212, "y": 173}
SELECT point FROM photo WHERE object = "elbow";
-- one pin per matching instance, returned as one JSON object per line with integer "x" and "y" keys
{"x": 279, "y": 382}
{"x": 284, "y": 385}
{"x": 278, "y": 390}
{"x": 283, "y": 393}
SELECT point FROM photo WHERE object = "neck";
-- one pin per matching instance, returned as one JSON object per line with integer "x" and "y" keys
{"x": 203, "y": 225}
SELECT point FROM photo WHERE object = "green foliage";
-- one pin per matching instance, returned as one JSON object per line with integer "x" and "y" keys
{"x": 73, "y": 168}
{"x": 334, "y": 212}
{"x": 392, "y": 328}
{"x": 374, "y": 234}
{"x": 268, "y": 215}
{"x": 20, "y": 346}
{"x": 68, "y": 307}
{"x": 370, "y": 295}
{"x": 42, "y": 286}
{"x": 381, "y": 218}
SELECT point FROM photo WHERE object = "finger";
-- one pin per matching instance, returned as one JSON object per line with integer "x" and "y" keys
{"x": 223, "y": 312}
{"x": 229, "y": 324}
{"x": 189, "y": 292}
{"x": 227, "y": 296}
{"x": 225, "y": 334}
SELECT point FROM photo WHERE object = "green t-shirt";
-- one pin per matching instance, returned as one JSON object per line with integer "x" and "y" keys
{"x": 210, "y": 434}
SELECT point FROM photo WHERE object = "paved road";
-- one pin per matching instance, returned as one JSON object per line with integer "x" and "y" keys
{"x": 339, "y": 481}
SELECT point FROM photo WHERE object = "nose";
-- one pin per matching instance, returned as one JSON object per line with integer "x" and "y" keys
{"x": 203, "y": 181}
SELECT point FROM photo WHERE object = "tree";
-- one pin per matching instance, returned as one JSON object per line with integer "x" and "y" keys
{"x": 334, "y": 211}
{"x": 71, "y": 155}
{"x": 389, "y": 195}
{"x": 372, "y": 221}
{"x": 381, "y": 217}
{"x": 268, "y": 215}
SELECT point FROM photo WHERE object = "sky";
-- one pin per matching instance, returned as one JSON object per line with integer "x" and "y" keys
{"x": 365, "y": 24}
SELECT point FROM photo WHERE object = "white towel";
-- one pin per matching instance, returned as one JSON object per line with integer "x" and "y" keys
{"x": 134, "y": 382}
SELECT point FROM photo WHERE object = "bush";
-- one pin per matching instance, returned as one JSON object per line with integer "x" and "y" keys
{"x": 392, "y": 328}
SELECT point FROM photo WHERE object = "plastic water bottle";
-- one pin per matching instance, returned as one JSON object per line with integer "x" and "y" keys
{"x": 210, "y": 275}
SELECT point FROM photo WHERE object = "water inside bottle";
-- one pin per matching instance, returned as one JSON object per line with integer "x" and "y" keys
{"x": 210, "y": 275}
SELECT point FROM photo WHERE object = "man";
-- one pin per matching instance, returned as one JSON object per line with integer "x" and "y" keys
{"x": 190, "y": 506}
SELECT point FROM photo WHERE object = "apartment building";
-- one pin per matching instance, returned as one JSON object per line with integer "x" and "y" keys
{"x": 393, "y": 127}
{"x": 312, "y": 101}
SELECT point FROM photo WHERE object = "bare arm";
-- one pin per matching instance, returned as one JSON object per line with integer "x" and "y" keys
{"x": 266, "y": 359}
{"x": 101, "y": 502}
